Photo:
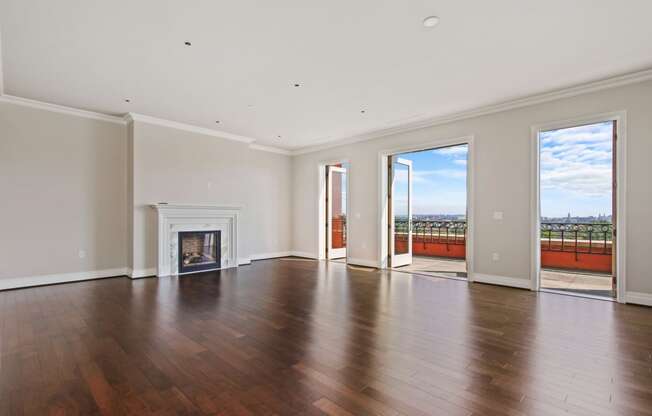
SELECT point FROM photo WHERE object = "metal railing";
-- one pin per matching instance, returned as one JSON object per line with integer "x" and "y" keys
{"x": 592, "y": 238}
{"x": 445, "y": 232}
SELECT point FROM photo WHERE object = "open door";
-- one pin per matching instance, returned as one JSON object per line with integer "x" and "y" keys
{"x": 336, "y": 212}
{"x": 400, "y": 212}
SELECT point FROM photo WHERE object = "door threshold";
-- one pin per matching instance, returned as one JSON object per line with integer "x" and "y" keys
{"x": 437, "y": 276}
{"x": 578, "y": 295}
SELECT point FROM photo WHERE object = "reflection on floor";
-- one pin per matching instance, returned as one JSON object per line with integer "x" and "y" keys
{"x": 436, "y": 266}
{"x": 578, "y": 282}
{"x": 341, "y": 260}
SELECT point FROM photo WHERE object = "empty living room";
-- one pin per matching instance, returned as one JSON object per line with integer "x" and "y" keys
{"x": 396, "y": 208}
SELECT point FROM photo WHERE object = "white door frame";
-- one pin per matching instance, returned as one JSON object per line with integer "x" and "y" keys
{"x": 403, "y": 259}
{"x": 321, "y": 205}
{"x": 620, "y": 117}
{"x": 332, "y": 253}
{"x": 383, "y": 180}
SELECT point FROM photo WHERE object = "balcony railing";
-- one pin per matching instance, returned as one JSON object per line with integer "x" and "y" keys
{"x": 446, "y": 232}
{"x": 576, "y": 237}
{"x": 571, "y": 246}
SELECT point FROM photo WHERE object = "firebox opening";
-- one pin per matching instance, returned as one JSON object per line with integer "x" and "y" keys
{"x": 199, "y": 250}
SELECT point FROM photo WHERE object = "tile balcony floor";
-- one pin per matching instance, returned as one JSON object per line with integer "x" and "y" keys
{"x": 579, "y": 282}
{"x": 436, "y": 266}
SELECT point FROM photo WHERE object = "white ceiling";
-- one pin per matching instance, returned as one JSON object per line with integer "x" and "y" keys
{"x": 348, "y": 56}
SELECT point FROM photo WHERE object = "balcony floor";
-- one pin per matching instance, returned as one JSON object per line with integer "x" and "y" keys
{"x": 436, "y": 266}
{"x": 579, "y": 282}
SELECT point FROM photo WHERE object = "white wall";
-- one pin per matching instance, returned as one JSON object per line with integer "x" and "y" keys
{"x": 502, "y": 182}
{"x": 62, "y": 189}
{"x": 172, "y": 165}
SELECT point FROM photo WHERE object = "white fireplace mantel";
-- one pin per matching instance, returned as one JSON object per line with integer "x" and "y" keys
{"x": 173, "y": 218}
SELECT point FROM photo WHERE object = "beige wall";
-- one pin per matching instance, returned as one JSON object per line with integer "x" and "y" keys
{"x": 172, "y": 165}
{"x": 62, "y": 189}
{"x": 502, "y": 182}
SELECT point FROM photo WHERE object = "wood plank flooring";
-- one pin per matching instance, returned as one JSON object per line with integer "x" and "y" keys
{"x": 292, "y": 337}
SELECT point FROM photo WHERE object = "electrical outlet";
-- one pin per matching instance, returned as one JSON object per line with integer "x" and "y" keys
{"x": 498, "y": 215}
{"x": 495, "y": 256}
{"x": 82, "y": 254}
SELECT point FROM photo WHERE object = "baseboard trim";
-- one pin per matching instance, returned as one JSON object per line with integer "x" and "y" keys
{"x": 362, "y": 262}
{"x": 638, "y": 298}
{"x": 140, "y": 273}
{"x": 244, "y": 261}
{"x": 275, "y": 255}
{"x": 302, "y": 254}
{"x": 53, "y": 279}
{"x": 502, "y": 280}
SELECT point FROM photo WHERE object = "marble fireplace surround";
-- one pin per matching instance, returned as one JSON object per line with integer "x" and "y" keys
{"x": 173, "y": 218}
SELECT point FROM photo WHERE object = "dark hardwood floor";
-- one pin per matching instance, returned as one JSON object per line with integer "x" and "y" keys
{"x": 294, "y": 337}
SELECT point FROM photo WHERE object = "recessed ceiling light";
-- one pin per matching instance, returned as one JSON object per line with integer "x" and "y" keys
{"x": 217, "y": 121}
{"x": 297, "y": 85}
{"x": 430, "y": 21}
{"x": 278, "y": 137}
{"x": 127, "y": 100}
{"x": 363, "y": 111}
{"x": 187, "y": 43}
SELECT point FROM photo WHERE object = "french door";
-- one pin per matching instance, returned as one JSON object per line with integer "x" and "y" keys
{"x": 336, "y": 212}
{"x": 401, "y": 212}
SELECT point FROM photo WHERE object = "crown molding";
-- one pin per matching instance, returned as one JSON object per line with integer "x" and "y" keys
{"x": 26, "y": 102}
{"x": 603, "y": 84}
{"x": 270, "y": 149}
{"x": 131, "y": 117}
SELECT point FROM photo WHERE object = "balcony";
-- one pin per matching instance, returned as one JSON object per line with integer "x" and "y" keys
{"x": 564, "y": 246}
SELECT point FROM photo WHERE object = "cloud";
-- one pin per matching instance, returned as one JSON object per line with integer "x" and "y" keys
{"x": 461, "y": 162}
{"x": 452, "y": 150}
{"x": 577, "y": 160}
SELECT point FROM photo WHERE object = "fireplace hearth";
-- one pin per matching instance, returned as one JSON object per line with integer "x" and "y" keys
{"x": 199, "y": 250}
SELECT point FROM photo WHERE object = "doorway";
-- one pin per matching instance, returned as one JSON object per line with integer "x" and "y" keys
{"x": 578, "y": 202}
{"x": 335, "y": 221}
{"x": 428, "y": 210}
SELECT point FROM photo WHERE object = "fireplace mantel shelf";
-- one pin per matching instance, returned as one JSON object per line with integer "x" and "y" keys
{"x": 161, "y": 206}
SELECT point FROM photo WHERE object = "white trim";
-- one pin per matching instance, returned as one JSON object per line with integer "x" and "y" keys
{"x": 304, "y": 254}
{"x": 270, "y": 149}
{"x": 140, "y": 273}
{"x": 501, "y": 280}
{"x": 265, "y": 256}
{"x": 363, "y": 262}
{"x": 129, "y": 117}
{"x": 620, "y": 117}
{"x": 639, "y": 298}
{"x": 49, "y": 279}
{"x": 10, "y": 99}
{"x": 243, "y": 261}
{"x": 383, "y": 155}
{"x": 594, "y": 86}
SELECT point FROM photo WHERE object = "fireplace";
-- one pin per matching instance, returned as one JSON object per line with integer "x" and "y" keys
{"x": 199, "y": 250}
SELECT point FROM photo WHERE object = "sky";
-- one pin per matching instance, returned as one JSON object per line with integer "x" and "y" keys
{"x": 439, "y": 178}
{"x": 576, "y": 171}
{"x": 575, "y": 175}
